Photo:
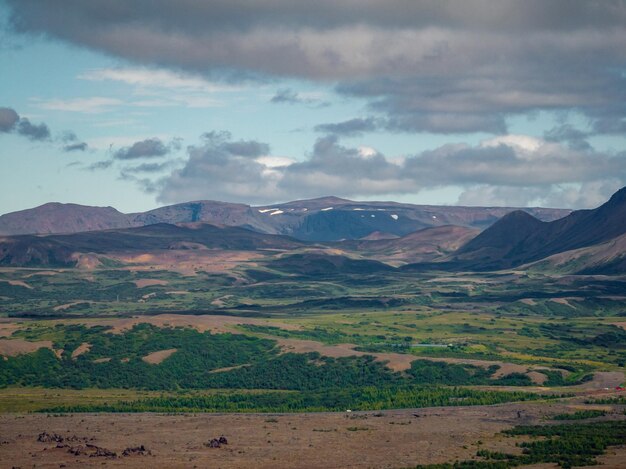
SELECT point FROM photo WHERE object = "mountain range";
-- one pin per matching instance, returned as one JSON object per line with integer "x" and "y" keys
{"x": 323, "y": 219}
{"x": 333, "y": 233}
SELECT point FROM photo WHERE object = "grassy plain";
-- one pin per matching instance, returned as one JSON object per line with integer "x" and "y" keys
{"x": 540, "y": 320}
{"x": 255, "y": 337}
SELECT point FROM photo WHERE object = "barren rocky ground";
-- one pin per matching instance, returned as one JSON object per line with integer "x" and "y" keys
{"x": 388, "y": 439}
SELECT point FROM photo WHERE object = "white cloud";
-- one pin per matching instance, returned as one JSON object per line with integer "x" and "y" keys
{"x": 522, "y": 142}
{"x": 517, "y": 170}
{"x": 569, "y": 195}
{"x": 91, "y": 105}
{"x": 275, "y": 161}
{"x": 163, "y": 88}
{"x": 367, "y": 152}
{"x": 155, "y": 78}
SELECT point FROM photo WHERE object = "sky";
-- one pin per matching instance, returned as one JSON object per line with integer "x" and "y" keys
{"x": 153, "y": 102}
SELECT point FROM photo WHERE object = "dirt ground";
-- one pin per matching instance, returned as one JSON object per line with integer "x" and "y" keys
{"x": 82, "y": 348}
{"x": 388, "y": 439}
{"x": 157, "y": 357}
{"x": 11, "y": 347}
{"x": 188, "y": 262}
{"x": 147, "y": 282}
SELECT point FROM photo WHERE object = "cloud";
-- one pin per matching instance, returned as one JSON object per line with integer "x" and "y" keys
{"x": 222, "y": 169}
{"x": 144, "y": 77}
{"x": 148, "y": 167}
{"x": 33, "y": 131}
{"x": 288, "y": 96}
{"x": 10, "y": 121}
{"x": 159, "y": 87}
{"x": 575, "y": 138}
{"x": 92, "y": 105}
{"x": 146, "y": 98}
{"x": 79, "y": 146}
{"x": 437, "y": 66}
{"x": 99, "y": 165}
{"x": 586, "y": 195}
{"x": 72, "y": 143}
{"x": 610, "y": 125}
{"x": 513, "y": 169}
{"x": 222, "y": 142}
{"x": 351, "y": 127}
{"x": 149, "y": 148}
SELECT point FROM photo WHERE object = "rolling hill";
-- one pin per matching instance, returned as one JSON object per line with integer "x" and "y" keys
{"x": 63, "y": 249}
{"x": 426, "y": 245}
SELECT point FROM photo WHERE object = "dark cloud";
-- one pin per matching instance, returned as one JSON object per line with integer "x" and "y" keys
{"x": 79, "y": 146}
{"x": 98, "y": 165}
{"x": 432, "y": 65}
{"x": 195, "y": 16}
{"x": 33, "y": 131}
{"x": 351, "y": 127}
{"x": 149, "y": 148}
{"x": 8, "y": 119}
{"x": 72, "y": 142}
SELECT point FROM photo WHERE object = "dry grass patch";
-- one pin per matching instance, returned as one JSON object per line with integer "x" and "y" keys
{"x": 213, "y": 323}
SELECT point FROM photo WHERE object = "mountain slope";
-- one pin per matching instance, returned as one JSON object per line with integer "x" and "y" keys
{"x": 519, "y": 238}
{"x": 608, "y": 258}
